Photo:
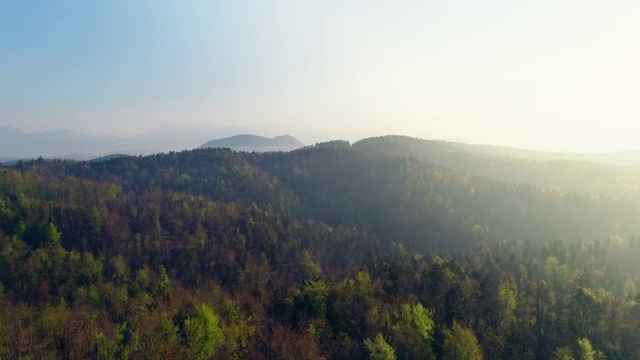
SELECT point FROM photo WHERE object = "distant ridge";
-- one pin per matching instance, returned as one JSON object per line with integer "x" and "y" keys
{"x": 16, "y": 144}
{"x": 567, "y": 173}
{"x": 247, "y": 142}
{"x": 435, "y": 149}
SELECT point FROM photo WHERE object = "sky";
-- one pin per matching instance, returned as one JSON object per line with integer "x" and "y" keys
{"x": 553, "y": 75}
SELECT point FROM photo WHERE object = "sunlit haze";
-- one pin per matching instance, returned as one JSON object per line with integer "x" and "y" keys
{"x": 553, "y": 75}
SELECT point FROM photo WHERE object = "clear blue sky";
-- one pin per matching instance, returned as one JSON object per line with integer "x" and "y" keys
{"x": 559, "y": 75}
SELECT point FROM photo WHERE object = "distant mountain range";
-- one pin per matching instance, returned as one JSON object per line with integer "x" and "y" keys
{"x": 614, "y": 158}
{"x": 68, "y": 144}
{"x": 16, "y": 144}
{"x": 438, "y": 149}
{"x": 246, "y": 142}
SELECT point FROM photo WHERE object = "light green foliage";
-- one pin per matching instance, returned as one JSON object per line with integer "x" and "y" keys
{"x": 163, "y": 285}
{"x": 96, "y": 220}
{"x": 91, "y": 268}
{"x": 419, "y": 320}
{"x": 111, "y": 347}
{"x": 315, "y": 294}
{"x": 586, "y": 350}
{"x": 311, "y": 269}
{"x": 413, "y": 332}
{"x": 142, "y": 281}
{"x": 554, "y": 271}
{"x": 563, "y": 353}
{"x": 53, "y": 235}
{"x": 202, "y": 333}
{"x": 379, "y": 349}
{"x": 460, "y": 343}
{"x": 423, "y": 321}
{"x": 238, "y": 332}
{"x": 20, "y": 230}
{"x": 105, "y": 347}
{"x": 363, "y": 285}
{"x": 590, "y": 310}
{"x": 507, "y": 299}
{"x": 141, "y": 288}
{"x": 629, "y": 288}
{"x": 121, "y": 270}
{"x": 93, "y": 295}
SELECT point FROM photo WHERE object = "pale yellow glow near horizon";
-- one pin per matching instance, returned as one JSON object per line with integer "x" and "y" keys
{"x": 566, "y": 78}
{"x": 545, "y": 74}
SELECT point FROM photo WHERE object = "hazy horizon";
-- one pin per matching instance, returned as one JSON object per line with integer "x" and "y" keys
{"x": 307, "y": 139}
{"x": 545, "y": 75}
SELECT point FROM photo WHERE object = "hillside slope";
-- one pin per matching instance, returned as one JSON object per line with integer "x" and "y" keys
{"x": 545, "y": 170}
{"x": 395, "y": 199}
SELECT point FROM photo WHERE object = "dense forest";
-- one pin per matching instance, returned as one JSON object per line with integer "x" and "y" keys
{"x": 331, "y": 251}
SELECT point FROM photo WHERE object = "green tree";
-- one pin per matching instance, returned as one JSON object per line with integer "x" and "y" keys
{"x": 238, "y": 332}
{"x": 586, "y": 350}
{"x": 563, "y": 353}
{"x": 311, "y": 269}
{"x": 422, "y": 321}
{"x": 315, "y": 294}
{"x": 413, "y": 333}
{"x": 163, "y": 284}
{"x": 53, "y": 235}
{"x": 460, "y": 343}
{"x": 96, "y": 220}
{"x": 202, "y": 334}
{"x": 629, "y": 288}
{"x": 106, "y": 347}
{"x": 507, "y": 300}
{"x": 379, "y": 349}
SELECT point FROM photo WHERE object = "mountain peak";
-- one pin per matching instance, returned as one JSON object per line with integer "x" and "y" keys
{"x": 250, "y": 142}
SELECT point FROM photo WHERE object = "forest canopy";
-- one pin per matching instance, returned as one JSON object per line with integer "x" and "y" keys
{"x": 327, "y": 251}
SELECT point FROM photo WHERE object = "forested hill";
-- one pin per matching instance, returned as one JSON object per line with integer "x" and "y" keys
{"x": 323, "y": 251}
{"x": 564, "y": 172}
{"x": 255, "y": 143}
{"x": 413, "y": 202}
